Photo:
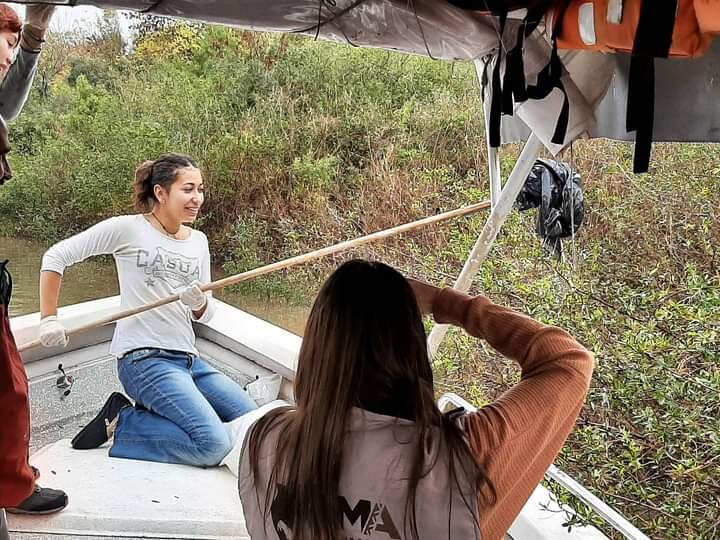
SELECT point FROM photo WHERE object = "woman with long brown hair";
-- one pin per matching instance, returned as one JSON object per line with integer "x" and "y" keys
{"x": 365, "y": 452}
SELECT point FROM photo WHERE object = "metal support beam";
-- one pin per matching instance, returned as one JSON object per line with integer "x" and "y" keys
{"x": 497, "y": 217}
{"x": 494, "y": 169}
{"x": 4, "y": 533}
{"x": 492, "y": 153}
{"x": 616, "y": 520}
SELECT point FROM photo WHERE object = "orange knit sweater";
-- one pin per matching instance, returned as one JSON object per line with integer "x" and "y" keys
{"x": 517, "y": 437}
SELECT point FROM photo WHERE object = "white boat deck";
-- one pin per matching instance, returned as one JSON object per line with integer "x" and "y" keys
{"x": 120, "y": 498}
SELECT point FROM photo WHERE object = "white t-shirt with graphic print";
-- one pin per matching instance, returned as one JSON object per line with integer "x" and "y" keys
{"x": 150, "y": 266}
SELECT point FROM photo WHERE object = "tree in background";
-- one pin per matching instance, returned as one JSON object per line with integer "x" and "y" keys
{"x": 106, "y": 40}
{"x": 156, "y": 37}
{"x": 58, "y": 49}
{"x": 144, "y": 24}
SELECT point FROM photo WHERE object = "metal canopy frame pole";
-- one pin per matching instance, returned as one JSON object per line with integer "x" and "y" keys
{"x": 495, "y": 221}
{"x": 495, "y": 182}
{"x": 502, "y": 200}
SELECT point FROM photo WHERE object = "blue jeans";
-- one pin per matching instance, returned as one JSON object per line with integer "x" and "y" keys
{"x": 181, "y": 404}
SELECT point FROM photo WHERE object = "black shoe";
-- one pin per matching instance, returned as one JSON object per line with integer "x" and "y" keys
{"x": 41, "y": 501}
{"x": 95, "y": 433}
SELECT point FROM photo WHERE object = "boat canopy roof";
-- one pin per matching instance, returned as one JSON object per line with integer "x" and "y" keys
{"x": 687, "y": 93}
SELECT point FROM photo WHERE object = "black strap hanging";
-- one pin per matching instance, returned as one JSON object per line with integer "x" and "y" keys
{"x": 515, "y": 66}
{"x": 496, "y": 98}
{"x": 514, "y": 88}
{"x": 653, "y": 39}
{"x": 549, "y": 79}
{"x": 514, "y": 82}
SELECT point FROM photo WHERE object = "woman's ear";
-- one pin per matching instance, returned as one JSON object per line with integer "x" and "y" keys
{"x": 159, "y": 193}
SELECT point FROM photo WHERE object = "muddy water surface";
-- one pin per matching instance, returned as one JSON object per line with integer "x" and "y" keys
{"x": 96, "y": 278}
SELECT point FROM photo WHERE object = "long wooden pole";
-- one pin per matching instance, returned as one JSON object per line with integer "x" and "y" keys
{"x": 280, "y": 265}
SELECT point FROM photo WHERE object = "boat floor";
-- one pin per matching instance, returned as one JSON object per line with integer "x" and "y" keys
{"x": 126, "y": 498}
{"x": 95, "y": 373}
{"x": 118, "y": 498}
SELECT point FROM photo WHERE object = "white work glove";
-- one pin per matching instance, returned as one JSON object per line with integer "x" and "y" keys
{"x": 193, "y": 297}
{"x": 52, "y": 333}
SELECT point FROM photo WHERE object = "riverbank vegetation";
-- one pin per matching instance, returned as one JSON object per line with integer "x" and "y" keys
{"x": 305, "y": 144}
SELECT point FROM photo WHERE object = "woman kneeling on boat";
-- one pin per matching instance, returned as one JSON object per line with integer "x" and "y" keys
{"x": 181, "y": 401}
{"x": 365, "y": 452}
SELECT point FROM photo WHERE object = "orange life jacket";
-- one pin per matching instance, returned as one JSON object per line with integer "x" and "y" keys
{"x": 646, "y": 29}
{"x": 708, "y": 15}
{"x": 611, "y": 25}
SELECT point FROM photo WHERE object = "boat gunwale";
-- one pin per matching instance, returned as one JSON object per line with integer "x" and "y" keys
{"x": 251, "y": 337}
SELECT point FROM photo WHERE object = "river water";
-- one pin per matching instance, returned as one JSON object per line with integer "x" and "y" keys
{"x": 96, "y": 278}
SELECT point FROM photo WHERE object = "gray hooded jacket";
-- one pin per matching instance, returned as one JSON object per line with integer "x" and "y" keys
{"x": 14, "y": 89}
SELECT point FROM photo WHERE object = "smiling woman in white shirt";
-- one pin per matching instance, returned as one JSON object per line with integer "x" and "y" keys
{"x": 181, "y": 401}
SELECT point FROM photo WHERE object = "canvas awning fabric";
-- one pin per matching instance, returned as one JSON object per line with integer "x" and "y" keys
{"x": 687, "y": 92}
{"x": 687, "y": 101}
{"x": 427, "y": 27}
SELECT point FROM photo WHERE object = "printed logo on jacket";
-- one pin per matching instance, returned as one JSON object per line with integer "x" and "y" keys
{"x": 365, "y": 520}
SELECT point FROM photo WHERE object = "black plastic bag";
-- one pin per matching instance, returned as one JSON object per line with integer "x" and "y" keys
{"x": 556, "y": 191}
